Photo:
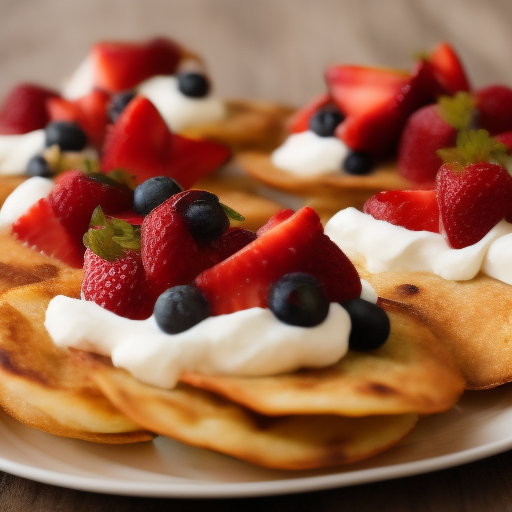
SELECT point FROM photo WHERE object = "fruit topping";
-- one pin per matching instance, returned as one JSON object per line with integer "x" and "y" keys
{"x": 416, "y": 210}
{"x": 153, "y": 192}
{"x": 67, "y": 135}
{"x": 38, "y": 166}
{"x": 494, "y": 105}
{"x": 140, "y": 143}
{"x": 325, "y": 121}
{"x": 24, "y": 109}
{"x": 299, "y": 121}
{"x": 206, "y": 218}
{"x": 448, "y": 69}
{"x": 370, "y": 325}
{"x": 113, "y": 271}
{"x": 295, "y": 243}
{"x": 473, "y": 194}
{"x": 193, "y": 85}
{"x": 118, "y": 102}
{"x": 180, "y": 308}
{"x": 298, "y": 299}
{"x": 358, "y": 163}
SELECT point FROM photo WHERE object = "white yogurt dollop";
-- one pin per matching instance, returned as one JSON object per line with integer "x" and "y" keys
{"x": 17, "y": 150}
{"x": 387, "y": 247}
{"x": 251, "y": 342}
{"x": 307, "y": 154}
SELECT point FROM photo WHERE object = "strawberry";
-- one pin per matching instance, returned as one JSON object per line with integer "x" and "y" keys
{"x": 473, "y": 194}
{"x": 120, "y": 65}
{"x": 416, "y": 210}
{"x": 41, "y": 229}
{"x": 75, "y": 196}
{"x": 299, "y": 121}
{"x": 113, "y": 271}
{"x": 494, "y": 104}
{"x": 170, "y": 253}
{"x": 141, "y": 143}
{"x": 24, "y": 109}
{"x": 296, "y": 244}
{"x": 89, "y": 112}
{"x": 506, "y": 139}
{"x": 428, "y": 130}
{"x": 448, "y": 69}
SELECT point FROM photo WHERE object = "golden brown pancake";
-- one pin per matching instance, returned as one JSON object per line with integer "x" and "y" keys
{"x": 8, "y": 184}
{"x": 471, "y": 318}
{"x": 328, "y": 193}
{"x": 250, "y": 125}
{"x": 205, "y": 420}
{"x": 47, "y": 387}
{"x": 411, "y": 373}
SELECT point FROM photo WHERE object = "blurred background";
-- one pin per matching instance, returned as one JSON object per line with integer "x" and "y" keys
{"x": 267, "y": 49}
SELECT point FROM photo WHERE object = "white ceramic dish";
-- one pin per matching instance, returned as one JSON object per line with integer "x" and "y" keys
{"x": 479, "y": 426}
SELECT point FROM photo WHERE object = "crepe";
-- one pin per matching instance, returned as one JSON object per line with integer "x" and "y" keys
{"x": 205, "y": 420}
{"x": 411, "y": 373}
{"x": 47, "y": 387}
{"x": 249, "y": 125}
{"x": 472, "y": 319}
{"x": 327, "y": 193}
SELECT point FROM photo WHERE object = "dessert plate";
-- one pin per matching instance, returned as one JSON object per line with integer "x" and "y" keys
{"x": 477, "y": 427}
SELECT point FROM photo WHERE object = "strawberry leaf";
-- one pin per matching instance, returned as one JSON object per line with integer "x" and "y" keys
{"x": 458, "y": 111}
{"x": 232, "y": 214}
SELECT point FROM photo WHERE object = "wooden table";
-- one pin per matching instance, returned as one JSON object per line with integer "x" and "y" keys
{"x": 277, "y": 50}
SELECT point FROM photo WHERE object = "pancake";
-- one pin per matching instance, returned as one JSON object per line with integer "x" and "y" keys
{"x": 411, "y": 373}
{"x": 205, "y": 420}
{"x": 250, "y": 125}
{"x": 46, "y": 387}
{"x": 8, "y": 184}
{"x": 471, "y": 318}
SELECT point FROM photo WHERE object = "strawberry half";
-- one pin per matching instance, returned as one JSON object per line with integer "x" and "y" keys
{"x": 448, "y": 69}
{"x": 494, "y": 105}
{"x": 296, "y": 244}
{"x": 118, "y": 66}
{"x": 89, "y": 112}
{"x": 416, "y": 210}
{"x": 41, "y": 229}
{"x": 140, "y": 143}
{"x": 24, "y": 109}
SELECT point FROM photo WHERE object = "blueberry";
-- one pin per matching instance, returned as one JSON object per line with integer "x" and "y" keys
{"x": 180, "y": 308}
{"x": 38, "y": 166}
{"x": 206, "y": 218}
{"x": 297, "y": 299}
{"x": 69, "y": 136}
{"x": 358, "y": 162}
{"x": 325, "y": 121}
{"x": 193, "y": 85}
{"x": 118, "y": 103}
{"x": 370, "y": 324}
{"x": 153, "y": 192}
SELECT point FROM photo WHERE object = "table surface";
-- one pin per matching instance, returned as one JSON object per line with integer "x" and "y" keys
{"x": 276, "y": 50}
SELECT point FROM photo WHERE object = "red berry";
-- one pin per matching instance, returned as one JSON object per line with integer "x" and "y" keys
{"x": 472, "y": 201}
{"x": 299, "y": 121}
{"x": 118, "y": 285}
{"x": 416, "y": 210}
{"x": 41, "y": 229}
{"x": 494, "y": 105}
{"x": 448, "y": 69}
{"x": 24, "y": 109}
{"x": 424, "y": 133}
{"x": 297, "y": 244}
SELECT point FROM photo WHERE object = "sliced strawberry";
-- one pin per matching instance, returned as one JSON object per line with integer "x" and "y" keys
{"x": 448, "y": 69}
{"x": 275, "y": 220}
{"x": 130, "y": 216}
{"x": 297, "y": 244}
{"x": 24, "y": 109}
{"x": 416, "y": 210}
{"x": 75, "y": 196}
{"x": 472, "y": 201}
{"x": 494, "y": 104}
{"x": 140, "y": 143}
{"x": 232, "y": 241}
{"x": 505, "y": 138}
{"x": 41, "y": 229}
{"x": 299, "y": 121}
{"x": 424, "y": 133}
{"x": 121, "y": 65}
{"x": 89, "y": 112}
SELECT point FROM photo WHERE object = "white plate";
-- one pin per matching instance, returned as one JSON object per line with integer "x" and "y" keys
{"x": 479, "y": 426}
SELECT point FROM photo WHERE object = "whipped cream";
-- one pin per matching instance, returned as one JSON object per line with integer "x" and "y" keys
{"x": 17, "y": 150}
{"x": 307, "y": 154}
{"x": 179, "y": 111}
{"x": 81, "y": 82}
{"x": 252, "y": 342}
{"x": 22, "y": 198}
{"x": 387, "y": 247}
